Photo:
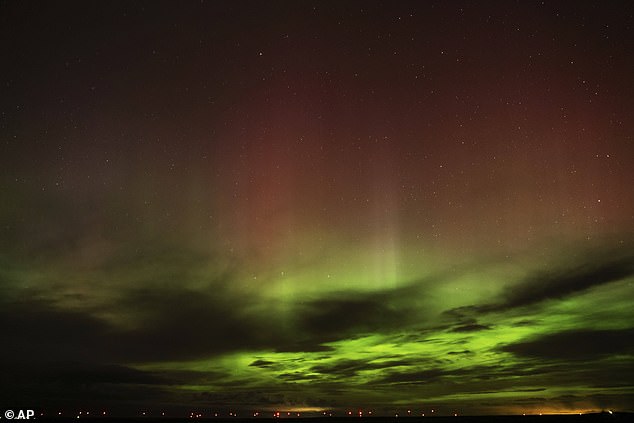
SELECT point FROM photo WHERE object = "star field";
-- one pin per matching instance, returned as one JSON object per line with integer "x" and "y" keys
{"x": 317, "y": 207}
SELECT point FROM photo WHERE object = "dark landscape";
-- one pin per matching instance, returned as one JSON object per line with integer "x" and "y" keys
{"x": 570, "y": 418}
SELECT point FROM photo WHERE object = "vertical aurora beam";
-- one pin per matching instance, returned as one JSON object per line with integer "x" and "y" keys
{"x": 385, "y": 215}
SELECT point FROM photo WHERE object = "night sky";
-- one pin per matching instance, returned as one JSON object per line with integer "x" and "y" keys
{"x": 316, "y": 206}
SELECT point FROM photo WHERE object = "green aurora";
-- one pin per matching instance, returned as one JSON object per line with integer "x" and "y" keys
{"x": 324, "y": 209}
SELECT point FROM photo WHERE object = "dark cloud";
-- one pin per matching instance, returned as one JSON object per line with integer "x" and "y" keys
{"x": 100, "y": 374}
{"x": 164, "y": 324}
{"x": 462, "y": 321}
{"x": 542, "y": 286}
{"x": 196, "y": 377}
{"x": 561, "y": 283}
{"x": 342, "y": 368}
{"x": 261, "y": 363}
{"x": 56, "y": 355}
{"x": 349, "y": 368}
{"x": 530, "y": 372}
{"x": 460, "y": 375}
{"x": 298, "y": 376}
{"x": 332, "y": 317}
{"x": 43, "y": 383}
{"x": 70, "y": 373}
{"x": 415, "y": 377}
{"x": 65, "y": 335}
{"x": 459, "y": 352}
{"x": 194, "y": 326}
{"x": 577, "y": 345}
{"x": 197, "y": 324}
{"x": 471, "y": 328}
{"x": 462, "y": 314}
{"x": 345, "y": 314}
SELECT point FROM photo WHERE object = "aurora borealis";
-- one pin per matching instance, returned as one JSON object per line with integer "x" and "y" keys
{"x": 317, "y": 206}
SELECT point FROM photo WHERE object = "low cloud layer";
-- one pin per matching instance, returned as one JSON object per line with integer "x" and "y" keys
{"x": 128, "y": 345}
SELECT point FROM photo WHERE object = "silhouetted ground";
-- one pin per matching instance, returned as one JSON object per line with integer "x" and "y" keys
{"x": 571, "y": 418}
